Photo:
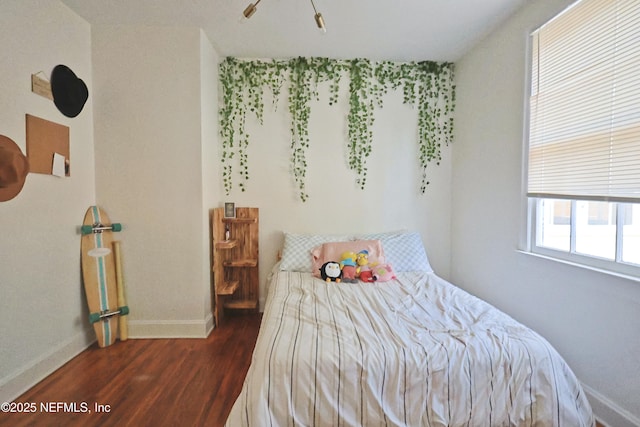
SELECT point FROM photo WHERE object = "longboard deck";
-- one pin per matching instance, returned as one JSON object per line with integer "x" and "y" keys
{"x": 98, "y": 273}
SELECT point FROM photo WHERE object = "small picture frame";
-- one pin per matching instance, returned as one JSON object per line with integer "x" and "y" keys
{"x": 229, "y": 210}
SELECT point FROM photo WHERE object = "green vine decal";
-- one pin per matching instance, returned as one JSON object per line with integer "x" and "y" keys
{"x": 436, "y": 97}
{"x": 300, "y": 93}
{"x": 240, "y": 85}
{"x": 360, "y": 118}
{"x": 232, "y": 106}
{"x": 427, "y": 85}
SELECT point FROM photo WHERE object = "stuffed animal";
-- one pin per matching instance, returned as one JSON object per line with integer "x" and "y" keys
{"x": 348, "y": 267}
{"x": 367, "y": 276}
{"x": 363, "y": 271}
{"x": 383, "y": 273}
{"x": 330, "y": 272}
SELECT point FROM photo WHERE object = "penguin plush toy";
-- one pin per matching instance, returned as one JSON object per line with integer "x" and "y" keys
{"x": 331, "y": 272}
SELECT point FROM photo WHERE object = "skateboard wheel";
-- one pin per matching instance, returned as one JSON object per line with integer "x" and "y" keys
{"x": 116, "y": 227}
{"x": 86, "y": 229}
{"x": 124, "y": 310}
{"x": 94, "y": 317}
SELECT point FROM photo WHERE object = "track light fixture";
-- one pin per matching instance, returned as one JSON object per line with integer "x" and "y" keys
{"x": 251, "y": 9}
{"x": 319, "y": 19}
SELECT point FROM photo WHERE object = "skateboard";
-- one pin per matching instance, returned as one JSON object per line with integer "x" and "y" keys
{"x": 99, "y": 275}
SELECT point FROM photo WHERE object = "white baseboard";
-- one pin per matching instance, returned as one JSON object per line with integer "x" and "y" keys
{"x": 170, "y": 328}
{"x": 17, "y": 383}
{"x": 209, "y": 321}
{"x": 609, "y": 413}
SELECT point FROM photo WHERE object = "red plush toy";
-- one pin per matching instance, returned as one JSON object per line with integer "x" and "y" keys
{"x": 367, "y": 276}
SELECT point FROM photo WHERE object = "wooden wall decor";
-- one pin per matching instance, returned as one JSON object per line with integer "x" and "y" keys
{"x": 45, "y": 139}
{"x": 41, "y": 86}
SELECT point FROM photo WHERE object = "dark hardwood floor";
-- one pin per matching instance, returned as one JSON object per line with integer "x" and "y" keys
{"x": 147, "y": 382}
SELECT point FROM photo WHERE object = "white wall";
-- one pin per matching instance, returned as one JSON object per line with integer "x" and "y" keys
{"x": 590, "y": 317}
{"x": 150, "y": 169}
{"x": 158, "y": 171}
{"x": 42, "y": 306}
{"x": 209, "y": 157}
{"x": 155, "y": 170}
{"x": 390, "y": 201}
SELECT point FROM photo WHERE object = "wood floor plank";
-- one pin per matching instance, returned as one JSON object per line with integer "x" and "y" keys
{"x": 146, "y": 382}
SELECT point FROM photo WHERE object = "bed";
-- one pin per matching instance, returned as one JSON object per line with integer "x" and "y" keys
{"x": 414, "y": 350}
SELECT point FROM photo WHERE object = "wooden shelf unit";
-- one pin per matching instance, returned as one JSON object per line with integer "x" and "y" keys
{"x": 235, "y": 261}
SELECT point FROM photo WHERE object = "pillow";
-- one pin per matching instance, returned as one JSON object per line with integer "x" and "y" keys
{"x": 296, "y": 251}
{"x": 333, "y": 251}
{"x": 403, "y": 250}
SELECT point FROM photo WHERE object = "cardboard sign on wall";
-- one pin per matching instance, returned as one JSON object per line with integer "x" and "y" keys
{"x": 47, "y": 147}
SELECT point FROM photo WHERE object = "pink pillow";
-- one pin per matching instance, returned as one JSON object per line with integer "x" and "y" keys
{"x": 333, "y": 251}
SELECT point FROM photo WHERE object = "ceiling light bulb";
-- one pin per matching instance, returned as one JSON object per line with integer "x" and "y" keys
{"x": 320, "y": 22}
{"x": 249, "y": 11}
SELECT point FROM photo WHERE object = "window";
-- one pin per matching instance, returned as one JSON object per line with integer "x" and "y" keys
{"x": 584, "y": 135}
{"x": 602, "y": 234}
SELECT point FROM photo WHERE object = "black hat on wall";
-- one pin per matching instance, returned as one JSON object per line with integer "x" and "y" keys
{"x": 69, "y": 92}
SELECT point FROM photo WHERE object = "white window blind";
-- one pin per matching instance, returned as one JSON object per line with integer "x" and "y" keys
{"x": 584, "y": 129}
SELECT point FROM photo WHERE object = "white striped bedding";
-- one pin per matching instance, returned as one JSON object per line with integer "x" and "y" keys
{"x": 416, "y": 351}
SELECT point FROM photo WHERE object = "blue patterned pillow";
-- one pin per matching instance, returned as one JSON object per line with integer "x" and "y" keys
{"x": 403, "y": 250}
{"x": 296, "y": 252}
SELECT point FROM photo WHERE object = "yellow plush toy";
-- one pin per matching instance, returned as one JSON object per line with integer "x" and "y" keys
{"x": 363, "y": 271}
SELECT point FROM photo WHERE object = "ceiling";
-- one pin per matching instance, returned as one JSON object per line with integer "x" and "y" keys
{"x": 408, "y": 30}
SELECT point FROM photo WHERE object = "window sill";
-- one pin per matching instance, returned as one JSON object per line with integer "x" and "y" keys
{"x": 580, "y": 265}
